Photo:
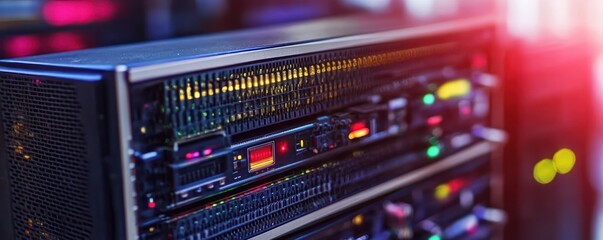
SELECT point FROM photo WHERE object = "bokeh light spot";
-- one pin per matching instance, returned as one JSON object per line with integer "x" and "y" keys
{"x": 21, "y": 46}
{"x": 545, "y": 171}
{"x": 564, "y": 160}
{"x": 442, "y": 192}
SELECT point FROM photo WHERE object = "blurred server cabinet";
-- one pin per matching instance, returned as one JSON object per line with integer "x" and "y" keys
{"x": 548, "y": 107}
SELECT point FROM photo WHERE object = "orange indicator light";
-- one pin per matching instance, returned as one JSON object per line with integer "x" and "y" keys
{"x": 358, "y": 130}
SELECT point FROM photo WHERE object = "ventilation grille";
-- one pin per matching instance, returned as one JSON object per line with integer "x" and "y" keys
{"x": 48, "y": 170}
{"x": 243, "y": 98}
{"x": 250, "y": 97}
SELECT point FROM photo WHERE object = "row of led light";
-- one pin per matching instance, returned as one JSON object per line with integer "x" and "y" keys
{"x": 254, "y": 81}
{"x": 451, "y": 89}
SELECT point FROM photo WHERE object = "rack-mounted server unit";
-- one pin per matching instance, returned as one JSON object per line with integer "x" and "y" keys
{"x": 257, "y": 133}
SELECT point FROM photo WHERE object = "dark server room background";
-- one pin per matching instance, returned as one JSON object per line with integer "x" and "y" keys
{"x": 551, "y": 74}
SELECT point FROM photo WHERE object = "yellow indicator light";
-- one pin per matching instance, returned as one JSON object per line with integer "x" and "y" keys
{"x": 301, "y": 143}
{"x": 358, "y": 219}
{"x": 564, "y": 160}
{"x": 454, "y": 88}
{"x": 442, "y": 192}
{"x": 358, "y": 133}
{"x": 143, "y": 130}
{"x": 545, "y": 171}
{"x": 239, "y": 157}
{"x": 188, "y": 92}
{"x": 152, "y": 229}
{"x": 182, "y": 97}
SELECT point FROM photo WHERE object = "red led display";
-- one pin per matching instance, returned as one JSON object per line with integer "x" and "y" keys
{"x": 261, "y": 156}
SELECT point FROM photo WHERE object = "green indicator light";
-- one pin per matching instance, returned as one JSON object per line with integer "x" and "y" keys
{"x": 428, "y": 99}
{"x": 221, "y": 202}
{"x": 433, "y": 151}
{"x": 435, "y": 237}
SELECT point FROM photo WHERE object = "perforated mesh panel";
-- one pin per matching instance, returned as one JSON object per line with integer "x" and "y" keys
{"x": 46, "y": 158}
{"x": 243, "y": 98}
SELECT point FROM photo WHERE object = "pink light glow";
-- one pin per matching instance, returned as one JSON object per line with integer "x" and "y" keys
{"x": 192, "y": 155}
{"x": 20, "y": 46}
{"x": 434, "y": 120}
{"x": 61, "y": 12}
{"x": 465, "y": 110}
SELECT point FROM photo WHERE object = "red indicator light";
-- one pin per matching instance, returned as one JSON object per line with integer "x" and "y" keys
{"x": 443, "y": 191}
{"x": 283, "y": 147}
{"x": 456, "y": 185}
{"x": 358, "y": 130}
{"x": 152, "y": 203}
{"x": 261, "y": 156}
{"x": 434, "y": 120}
